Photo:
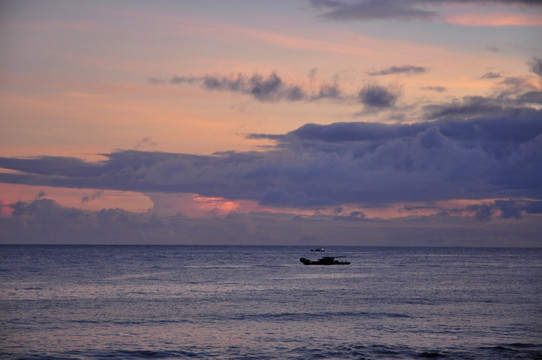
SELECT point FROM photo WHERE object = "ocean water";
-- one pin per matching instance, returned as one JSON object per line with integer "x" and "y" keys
{"x": 205, "y": 302}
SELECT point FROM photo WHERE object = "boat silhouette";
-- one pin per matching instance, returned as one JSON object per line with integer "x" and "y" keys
{"x": 326, "y": 260}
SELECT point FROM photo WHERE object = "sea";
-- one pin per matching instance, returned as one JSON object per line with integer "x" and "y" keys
{"x": 261, "y": 302}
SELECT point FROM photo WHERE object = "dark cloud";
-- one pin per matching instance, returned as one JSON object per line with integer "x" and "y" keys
{"x": 356, "y": 132}
{"x": 440, "y": 89}
{"x": 483, "y": 212}
{"x": 504, "y": 209}
{"x": 284, "y": 198}
{"x": 44, "y": 221}
{"x": 513, "y": 127}
{"x": 536, "y": 66}
{"x": 405, "y": 69}
{"x": 146, "y": 141}
{"x": 269, "y": 88}
{"x": 46, "y": 211}
{"x": 376, "y": 96}
{"x": 512, "y": 96}
{"x": 534, "y": 207}
{"x": 491, "y": 75}
{"x": 510, "y": 103}
{"x": 531, "y": 97}
{"x": 95, "y": 195}
{"x": 352, "y": 216}
{"x": 52, "y": 165}
{"x": 365, "y": 10}
{"x": 323, "y": 165}
{"x": 517, "y": 84}
{"x": 371, "y": 10}
{"x": 509, "y": 209}
{"x": 327, "y": 91}
{"x": 478, "y": 147}
{"x": 469, "y": 106}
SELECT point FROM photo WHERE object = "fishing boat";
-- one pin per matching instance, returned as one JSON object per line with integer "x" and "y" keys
{"x": 326, "y": 260}
{"x": 318, "y": 250}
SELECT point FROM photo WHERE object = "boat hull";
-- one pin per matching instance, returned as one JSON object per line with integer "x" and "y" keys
{"x": 323, "y": 261}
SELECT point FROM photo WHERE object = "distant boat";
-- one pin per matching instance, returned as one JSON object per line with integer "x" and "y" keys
{"x": 319, "y": 250}
{"x": 326, "y": 260}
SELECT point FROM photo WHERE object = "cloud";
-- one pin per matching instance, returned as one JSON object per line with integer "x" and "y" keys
{"x": 326, "y": 165}
{"x": 483, "y": 212}
{"x": 536, "y": 66}
{"x": 424, "y": 10}
{"x": 270, "y": 88}
{"x": 477, "y": 147}
{"x": 352, "y": 216}
{"x": 328, "y": 91}
{"x": 52, "y": 165}
{"x": 513, "y": 100}
{"x": 44, "y": 221}
{"x": 146, "y": 141}
{"x": 434, "y": 88}
{"x": 371, "y": 10}
{"x": 483, "y": 18}
{"x": 531, "y": 97}
{"x": 491, "y": 75}
{"x": 504, "y": 209}
{"x": 282, "y": 197}
{"x": 44, "y": 213}
{"x": 376, "y": 96}
{"x": 95, "y": 195}
{"x": 405, "y": 69}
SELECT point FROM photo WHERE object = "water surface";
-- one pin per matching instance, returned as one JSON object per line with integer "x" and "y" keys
{"x": 134, "y": 302}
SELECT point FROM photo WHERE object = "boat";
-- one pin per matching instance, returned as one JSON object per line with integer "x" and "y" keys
{"x": 326, "y": 260}
{"x": 318, "y": 250}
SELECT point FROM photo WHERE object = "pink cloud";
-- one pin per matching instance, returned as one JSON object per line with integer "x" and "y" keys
{"x": 495, "y": 19}
{"x": 5, "y": 209}
{"x": 196, "y": 206}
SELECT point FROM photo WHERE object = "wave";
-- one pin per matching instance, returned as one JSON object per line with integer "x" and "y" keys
{"x": 309, "y": 352}
{"x": 294, "y": 316}
{"x": 134, "y": 322}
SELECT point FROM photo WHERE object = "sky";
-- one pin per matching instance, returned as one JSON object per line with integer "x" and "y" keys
{"x": 250, "y": 122}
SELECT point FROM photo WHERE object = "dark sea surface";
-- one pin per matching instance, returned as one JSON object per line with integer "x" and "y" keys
{"x": 206, "y": 302}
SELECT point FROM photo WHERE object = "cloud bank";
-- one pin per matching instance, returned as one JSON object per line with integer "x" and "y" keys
{"x": 478, "y": 147}
{"x": 43, "y": 221}
{"x": 457, "y": 155}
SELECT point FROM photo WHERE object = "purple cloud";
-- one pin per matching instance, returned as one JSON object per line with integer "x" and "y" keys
{"x": 321, "y": 165}
{"x": 477, "y": 147}
{"x": 270, "y": 88}
{"x": 405, "y": 69}
{"x": 406, "y": 10}
{"x": 376, "y": 96}
{"x": 371, "y": 10}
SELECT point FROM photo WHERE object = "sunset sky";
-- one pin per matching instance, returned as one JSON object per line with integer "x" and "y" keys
{"x": 347, "y": 122}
